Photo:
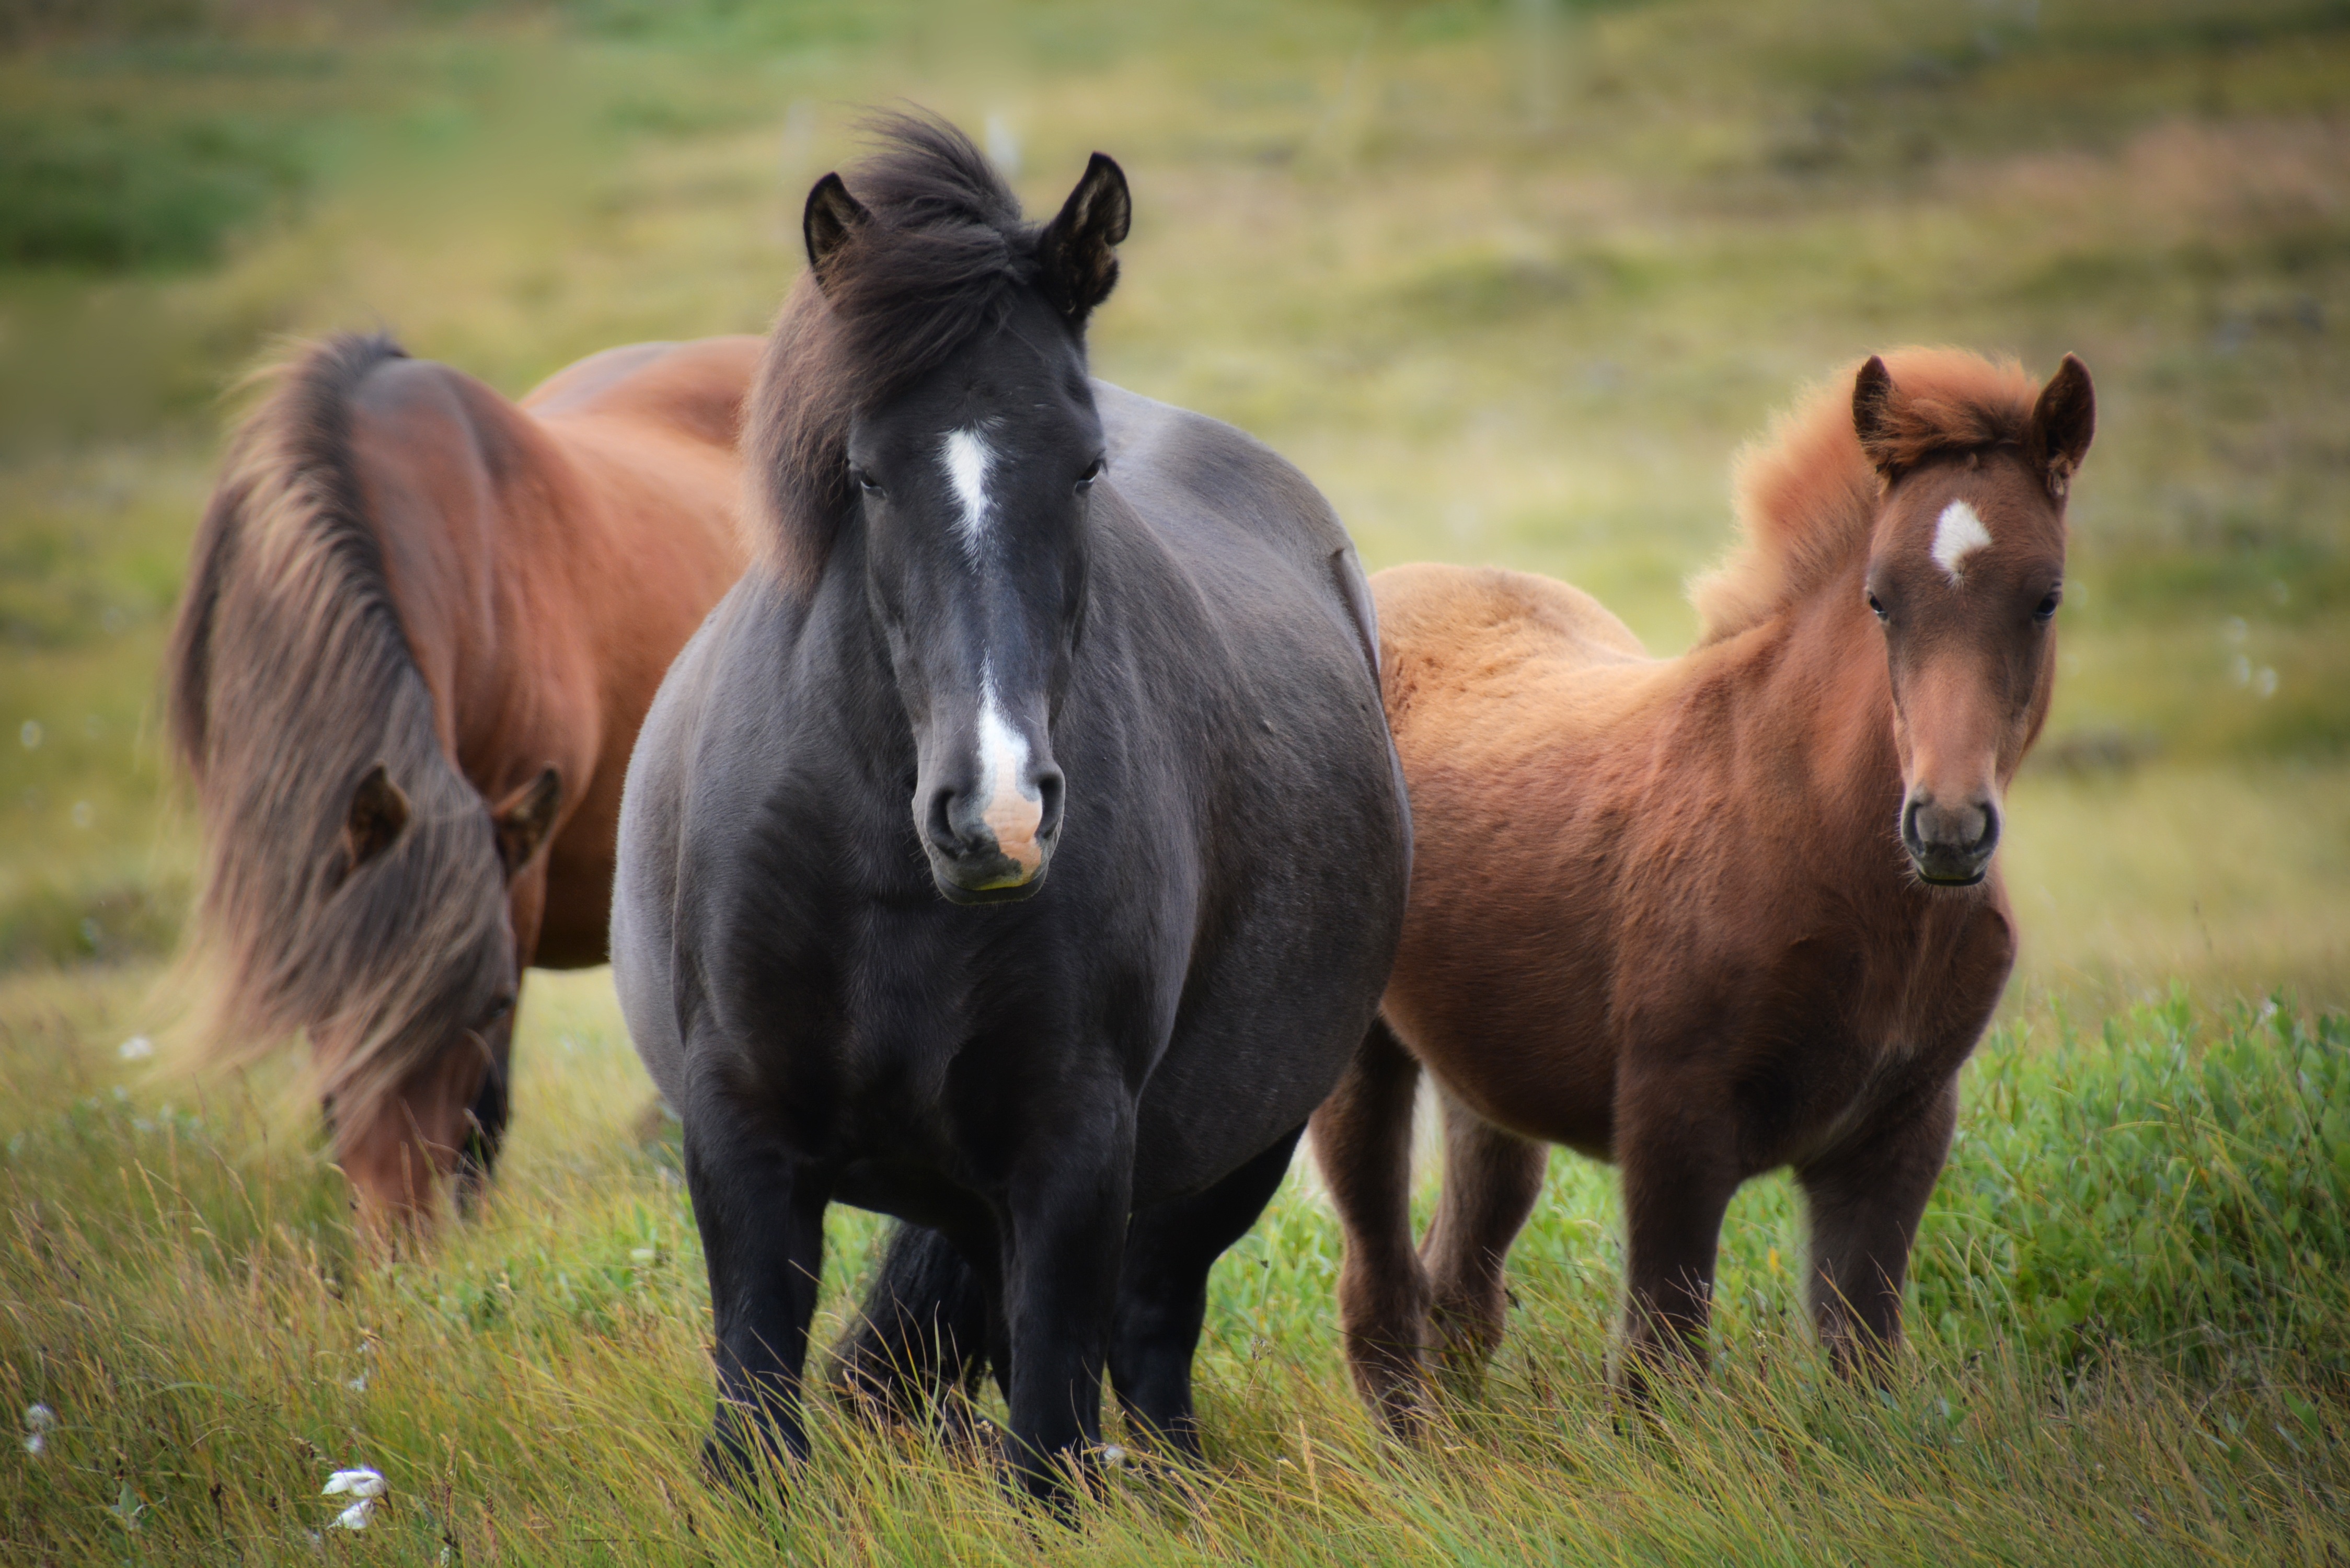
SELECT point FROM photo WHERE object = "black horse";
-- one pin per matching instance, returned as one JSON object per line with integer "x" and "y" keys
{"x": 1008, "y": 621}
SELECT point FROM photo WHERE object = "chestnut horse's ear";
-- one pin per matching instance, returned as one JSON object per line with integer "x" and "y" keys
{"x": 523, "y": 818}
{"x": 1872, "y": 415}
{"x": 1077, "y": 251}
{"x": 832, "y": 219}
{"x": 2063, "y": 421}
{"x": 377, "y": 813}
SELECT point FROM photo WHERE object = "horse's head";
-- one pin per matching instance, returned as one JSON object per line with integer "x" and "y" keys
{"x": 1966, "y": 568}
{"x": 417, "y": 1071}
{"x": 970, "y": 484}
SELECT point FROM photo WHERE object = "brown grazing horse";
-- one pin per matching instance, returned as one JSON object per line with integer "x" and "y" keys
{"x": 1709, "y": 916}
{"x": 421, "y": 627}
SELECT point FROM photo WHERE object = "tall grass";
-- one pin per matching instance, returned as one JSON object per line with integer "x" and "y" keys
{"x": 2129, "y": 1308}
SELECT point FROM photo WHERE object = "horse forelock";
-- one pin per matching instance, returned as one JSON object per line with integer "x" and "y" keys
{"x": 291, "y": 677}
{"x": 943, "y": 258}
{"x": 1806, "y": 494}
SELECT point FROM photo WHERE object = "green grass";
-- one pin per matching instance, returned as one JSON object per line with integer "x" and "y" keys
{"x": 2129, "y": 1313}
{"x": 1511, "y": 281}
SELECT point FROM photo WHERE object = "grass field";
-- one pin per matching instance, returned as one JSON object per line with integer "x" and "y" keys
{"x": 1512, "y": 281}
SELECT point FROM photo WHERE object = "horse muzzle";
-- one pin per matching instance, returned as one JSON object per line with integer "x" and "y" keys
{"x": 995, "y": 849}
{"x": 1950, "y": 846}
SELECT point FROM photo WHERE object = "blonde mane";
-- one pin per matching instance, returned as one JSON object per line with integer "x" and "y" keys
{"x": 1806, "y": 493}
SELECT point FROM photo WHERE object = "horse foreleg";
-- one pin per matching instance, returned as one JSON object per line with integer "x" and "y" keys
{"x": 1677, "y": 1183}
{"x": 1362, "y": 1141}
{"x": 1491, "y": 1178}
{"x": 1068, "y": 1219}
{"x": 761, "y": 1220}
{"x": 1866, "y": 1200}
{"x": 1162, "y": 1297}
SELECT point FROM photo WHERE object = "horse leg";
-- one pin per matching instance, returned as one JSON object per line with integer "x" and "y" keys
{"x": 761, "y": 1215}
{"x": 1362, "y": 1141}
{"x": 1162, "y": 1297}
{"x": 1865, "y": 1200}
{"x": 1066, "y": 1247}
{"x": 1677, "y": 1184}
{"x": 926, "y": 1326}
{"x": 1491, "y": 1178}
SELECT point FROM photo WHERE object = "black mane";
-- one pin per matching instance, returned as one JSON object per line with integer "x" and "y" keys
{"x": 945, "y": 257}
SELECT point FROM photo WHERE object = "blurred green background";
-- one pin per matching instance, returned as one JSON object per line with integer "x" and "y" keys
{"x": 1511, "y": 280}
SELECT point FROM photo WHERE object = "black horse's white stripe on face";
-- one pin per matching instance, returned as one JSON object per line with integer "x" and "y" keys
{"x": 968, "y": 459}
{"x": 1016, "y": 808}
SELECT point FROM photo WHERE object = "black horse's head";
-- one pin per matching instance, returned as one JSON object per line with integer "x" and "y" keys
{"x": 970, "y": 480}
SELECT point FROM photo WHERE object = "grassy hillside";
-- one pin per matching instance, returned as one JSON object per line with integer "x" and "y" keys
{"x": 1512, "y": 281}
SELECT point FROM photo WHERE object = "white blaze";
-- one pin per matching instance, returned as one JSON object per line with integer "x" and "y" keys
{"x": 1014, "y": 813}
{"x": 1958, "y": 534}
{"x": 968, "y": 460}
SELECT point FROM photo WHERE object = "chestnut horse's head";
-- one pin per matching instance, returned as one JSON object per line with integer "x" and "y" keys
{"x": 420, "y": 1086}
{"x": 1966, "y": 568}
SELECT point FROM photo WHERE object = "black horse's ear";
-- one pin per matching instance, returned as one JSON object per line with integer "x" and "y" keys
{"x": 377, "y": 813}
{"x": 832, "y": 219}
{"x": 524, "y": 819}
{"x": 1872, "y": 415}
{"x": 1077, "y": 249}
{"x": 2063, "y": 421}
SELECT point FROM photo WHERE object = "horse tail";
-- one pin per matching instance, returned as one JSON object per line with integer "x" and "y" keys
{"x": 291, "y": 682}
{"x": 921, "y": 1333}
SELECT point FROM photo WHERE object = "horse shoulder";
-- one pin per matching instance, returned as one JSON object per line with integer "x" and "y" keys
{"x": 660, "y": 777}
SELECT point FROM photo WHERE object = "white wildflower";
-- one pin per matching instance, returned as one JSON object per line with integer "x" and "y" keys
{"x": 362, "y": 1482}
{"x": 137, "y": 1048}
{"x": 358, "y": 1384}
{"x": 38, "y": 1421}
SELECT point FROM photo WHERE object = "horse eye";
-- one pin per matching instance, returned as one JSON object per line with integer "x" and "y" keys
{"x": 500, "y": 1006}
{"x": 864, "y": 479}
{"x": 2046, "y": 609}
{"x": 1877, "y": 606}
{"x": 1093, "y": 472}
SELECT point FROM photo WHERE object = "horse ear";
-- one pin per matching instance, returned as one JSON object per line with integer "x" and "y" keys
{"x": 523, "y": 818}
{"x": 1872, "y": 414}
{"x": 2063, "y": 421}
{"x": 833, "y": 218}
{"x": 377, "y": 813}
{"x": 1078, "y": 247}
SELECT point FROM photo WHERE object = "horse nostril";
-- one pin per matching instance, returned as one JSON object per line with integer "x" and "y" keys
{"x": 1989, "y": 835}
{"x": 1050, "y": 789}
{"x": 938, "y": 823}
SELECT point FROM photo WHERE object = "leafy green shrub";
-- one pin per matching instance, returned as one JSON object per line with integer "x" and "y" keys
{"x": 107, "y": 194}
{"x": 2187, "y": 1195}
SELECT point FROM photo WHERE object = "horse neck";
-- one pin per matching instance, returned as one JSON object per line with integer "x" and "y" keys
{"x": 476, "y": 599}
{"x": 1812, "y": 681}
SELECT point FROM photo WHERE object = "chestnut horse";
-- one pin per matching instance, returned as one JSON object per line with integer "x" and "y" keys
{"x": 1709, "y": 916}
{"x": 421, "y": 627}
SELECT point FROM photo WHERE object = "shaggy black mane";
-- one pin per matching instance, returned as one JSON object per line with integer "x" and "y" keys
{"x": 943, "y": 259}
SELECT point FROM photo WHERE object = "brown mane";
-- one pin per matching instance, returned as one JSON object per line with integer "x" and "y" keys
{"x": 288, "y": 574}
{"x": 943, "y": 259}
{"x": 1806, "y": 494}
